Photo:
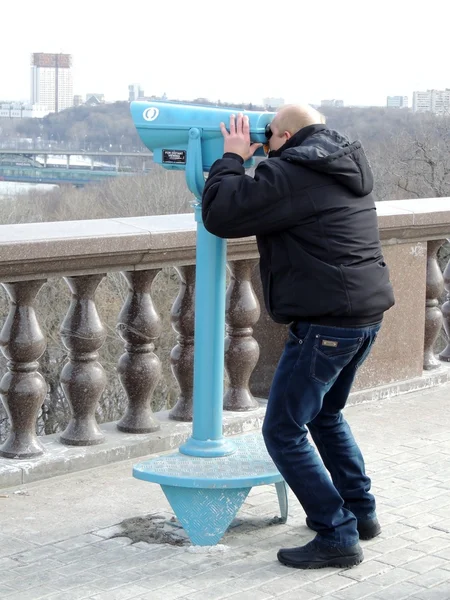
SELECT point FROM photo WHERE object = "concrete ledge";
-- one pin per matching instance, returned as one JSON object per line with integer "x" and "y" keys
{"x": 428, "y": 379}
{"x": 59, "y": 459}
{"x": 31, "y": 251}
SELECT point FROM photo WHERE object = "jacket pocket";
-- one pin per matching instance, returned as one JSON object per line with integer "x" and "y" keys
{"x": 369, "y": 289}
{"x": 330, "y": 355}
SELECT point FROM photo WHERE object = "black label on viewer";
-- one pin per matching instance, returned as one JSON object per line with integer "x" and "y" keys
{"x": 174, "y": 157}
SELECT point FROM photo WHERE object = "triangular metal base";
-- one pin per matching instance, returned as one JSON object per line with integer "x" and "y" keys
{"x": 205, "y": 514}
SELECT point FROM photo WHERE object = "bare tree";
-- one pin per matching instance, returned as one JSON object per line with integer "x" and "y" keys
{"x": 415, "y": 162}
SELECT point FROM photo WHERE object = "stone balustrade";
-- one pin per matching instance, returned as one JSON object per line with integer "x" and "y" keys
{"x": 83, "y": 252}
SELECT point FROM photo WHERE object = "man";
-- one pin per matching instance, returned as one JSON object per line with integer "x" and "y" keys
{"x": 311, "y": 208}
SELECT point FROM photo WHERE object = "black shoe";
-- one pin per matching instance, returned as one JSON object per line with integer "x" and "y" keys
{"x": 367, "y": 528}
{"x": 317, "y": 555}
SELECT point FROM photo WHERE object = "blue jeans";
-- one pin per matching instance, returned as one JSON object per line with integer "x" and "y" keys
{"x": 309, "y": 390}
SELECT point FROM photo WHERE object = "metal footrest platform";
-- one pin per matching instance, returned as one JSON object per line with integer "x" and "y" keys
{"x": 206, "y": 493}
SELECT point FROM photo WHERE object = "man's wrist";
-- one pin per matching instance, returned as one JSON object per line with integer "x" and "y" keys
{"x": 234, "y": 155}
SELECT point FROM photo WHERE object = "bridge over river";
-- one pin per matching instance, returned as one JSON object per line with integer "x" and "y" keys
{"x": 35, "y": 166}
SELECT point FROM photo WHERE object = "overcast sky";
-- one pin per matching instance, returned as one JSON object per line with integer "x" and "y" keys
{"x": 358, "y": 51}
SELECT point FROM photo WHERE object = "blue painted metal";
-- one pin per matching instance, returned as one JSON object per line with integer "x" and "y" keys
{"x": 209, "y": 341}
{"x": 194, "y": 173}
{"x": 209, "y": 345}
{"x": 165, "y": 126}
{"x": 206, "y": 493}
{"x": 207, "y": 481}
{"x": 205, "y": 514}
{"x": 250, "y": 465}
{"x": 282, "y": 493}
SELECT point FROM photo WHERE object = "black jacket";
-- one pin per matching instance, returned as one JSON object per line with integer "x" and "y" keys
{"x": 314, "y": 217}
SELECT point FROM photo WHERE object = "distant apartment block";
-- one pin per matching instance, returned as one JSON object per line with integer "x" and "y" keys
{"x": 433, "y": 101}
{"x": 273, "y": 102}
{"x": 332, "y": 102}
{"x": 16, "y": 110}
{"x": 397, "y": 102}
{"x": 51, "y": 81}
{"x": 135, "y": 92}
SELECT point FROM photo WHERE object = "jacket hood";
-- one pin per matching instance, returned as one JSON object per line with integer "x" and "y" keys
{"x": 327, "y": 151}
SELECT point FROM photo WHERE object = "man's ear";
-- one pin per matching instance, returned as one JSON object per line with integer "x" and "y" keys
{"x": 287, "y": 135}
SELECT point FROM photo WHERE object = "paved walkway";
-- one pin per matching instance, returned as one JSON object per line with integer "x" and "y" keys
{"x": 62, "y": 539}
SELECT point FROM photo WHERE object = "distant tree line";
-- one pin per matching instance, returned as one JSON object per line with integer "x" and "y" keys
{"x": 408, "y": 151}
{"x": 110, "y": 125}
{"x": 105, "y": 126}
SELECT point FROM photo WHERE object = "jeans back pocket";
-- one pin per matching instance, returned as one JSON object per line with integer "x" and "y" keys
{"x": 330, "y": 355}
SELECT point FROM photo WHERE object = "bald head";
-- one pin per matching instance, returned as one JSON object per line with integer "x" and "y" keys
{"x": 294, "y": 117}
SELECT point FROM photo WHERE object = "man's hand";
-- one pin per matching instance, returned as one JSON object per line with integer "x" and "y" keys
{"x": 238, "y": 140}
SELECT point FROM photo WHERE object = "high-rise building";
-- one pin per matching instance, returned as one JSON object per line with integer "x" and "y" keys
{"x": 434, "y": 101}
{"x": 51, "y": 81}
{"x": 397, "y": 102}
{"x": 135, "y": 92}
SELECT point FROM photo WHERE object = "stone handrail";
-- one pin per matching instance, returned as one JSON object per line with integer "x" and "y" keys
{"x": 84, "y": 251}
{"x": 40, "y": 250}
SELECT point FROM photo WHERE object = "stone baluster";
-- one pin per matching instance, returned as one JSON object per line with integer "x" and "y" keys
{"x": 445, "y": 354}
{"x": 22, "y": 388}
{"x": 241, "y": 349}
{"x": 139, "y": 368}
{"x": 433, "y": 314}
{"x": 182, "y": 355}
{"x": 83, "y": 378}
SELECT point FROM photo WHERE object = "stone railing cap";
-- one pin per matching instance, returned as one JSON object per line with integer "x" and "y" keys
{"x": 420, "y": 219}
{"x": 71, "y": 247}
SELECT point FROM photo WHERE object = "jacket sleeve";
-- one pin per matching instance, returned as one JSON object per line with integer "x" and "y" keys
{"x": 237, "y": 205}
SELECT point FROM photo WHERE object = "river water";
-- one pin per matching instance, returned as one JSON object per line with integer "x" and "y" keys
{"x": 9, "y": 189}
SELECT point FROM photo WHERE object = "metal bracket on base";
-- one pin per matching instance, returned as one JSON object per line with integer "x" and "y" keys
{"x": 207, "y": 448}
